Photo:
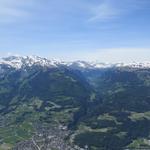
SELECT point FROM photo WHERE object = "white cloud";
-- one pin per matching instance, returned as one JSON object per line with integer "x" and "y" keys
{"x": 120, "y": 55}
{"x": 10, "y": 10}
{"x": 113, "y": 55}
{"x": 104, "y": 12}
{"x": 112, "y": 9}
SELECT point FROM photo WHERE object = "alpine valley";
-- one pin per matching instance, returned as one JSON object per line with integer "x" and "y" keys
{"x": 54, "y": 105}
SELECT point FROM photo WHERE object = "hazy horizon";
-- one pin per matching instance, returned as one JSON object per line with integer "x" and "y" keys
{"x": 106, "y": 56}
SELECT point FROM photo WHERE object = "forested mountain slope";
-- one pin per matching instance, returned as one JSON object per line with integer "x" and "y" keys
{"x": 49, "y": 105}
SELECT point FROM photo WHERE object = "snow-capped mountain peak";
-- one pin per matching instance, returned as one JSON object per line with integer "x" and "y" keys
{"x": 19, "y": 62}
{"x": 27, "y": 61}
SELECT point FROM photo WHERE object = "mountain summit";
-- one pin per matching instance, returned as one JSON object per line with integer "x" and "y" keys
{"x": 19, "y": 62}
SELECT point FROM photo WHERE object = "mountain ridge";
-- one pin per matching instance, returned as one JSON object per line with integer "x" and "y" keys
{"x": 104, "y": 108}
{"x": 19, "y": 62}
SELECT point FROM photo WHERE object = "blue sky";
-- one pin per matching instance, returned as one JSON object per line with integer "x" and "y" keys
{"x": 104, "y": 30}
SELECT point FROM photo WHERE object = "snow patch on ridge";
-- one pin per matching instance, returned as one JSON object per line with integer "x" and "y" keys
{"x": 19, "y": 62}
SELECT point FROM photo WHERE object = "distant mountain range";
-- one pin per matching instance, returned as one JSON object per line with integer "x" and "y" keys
{"x": 18, "y": 62}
